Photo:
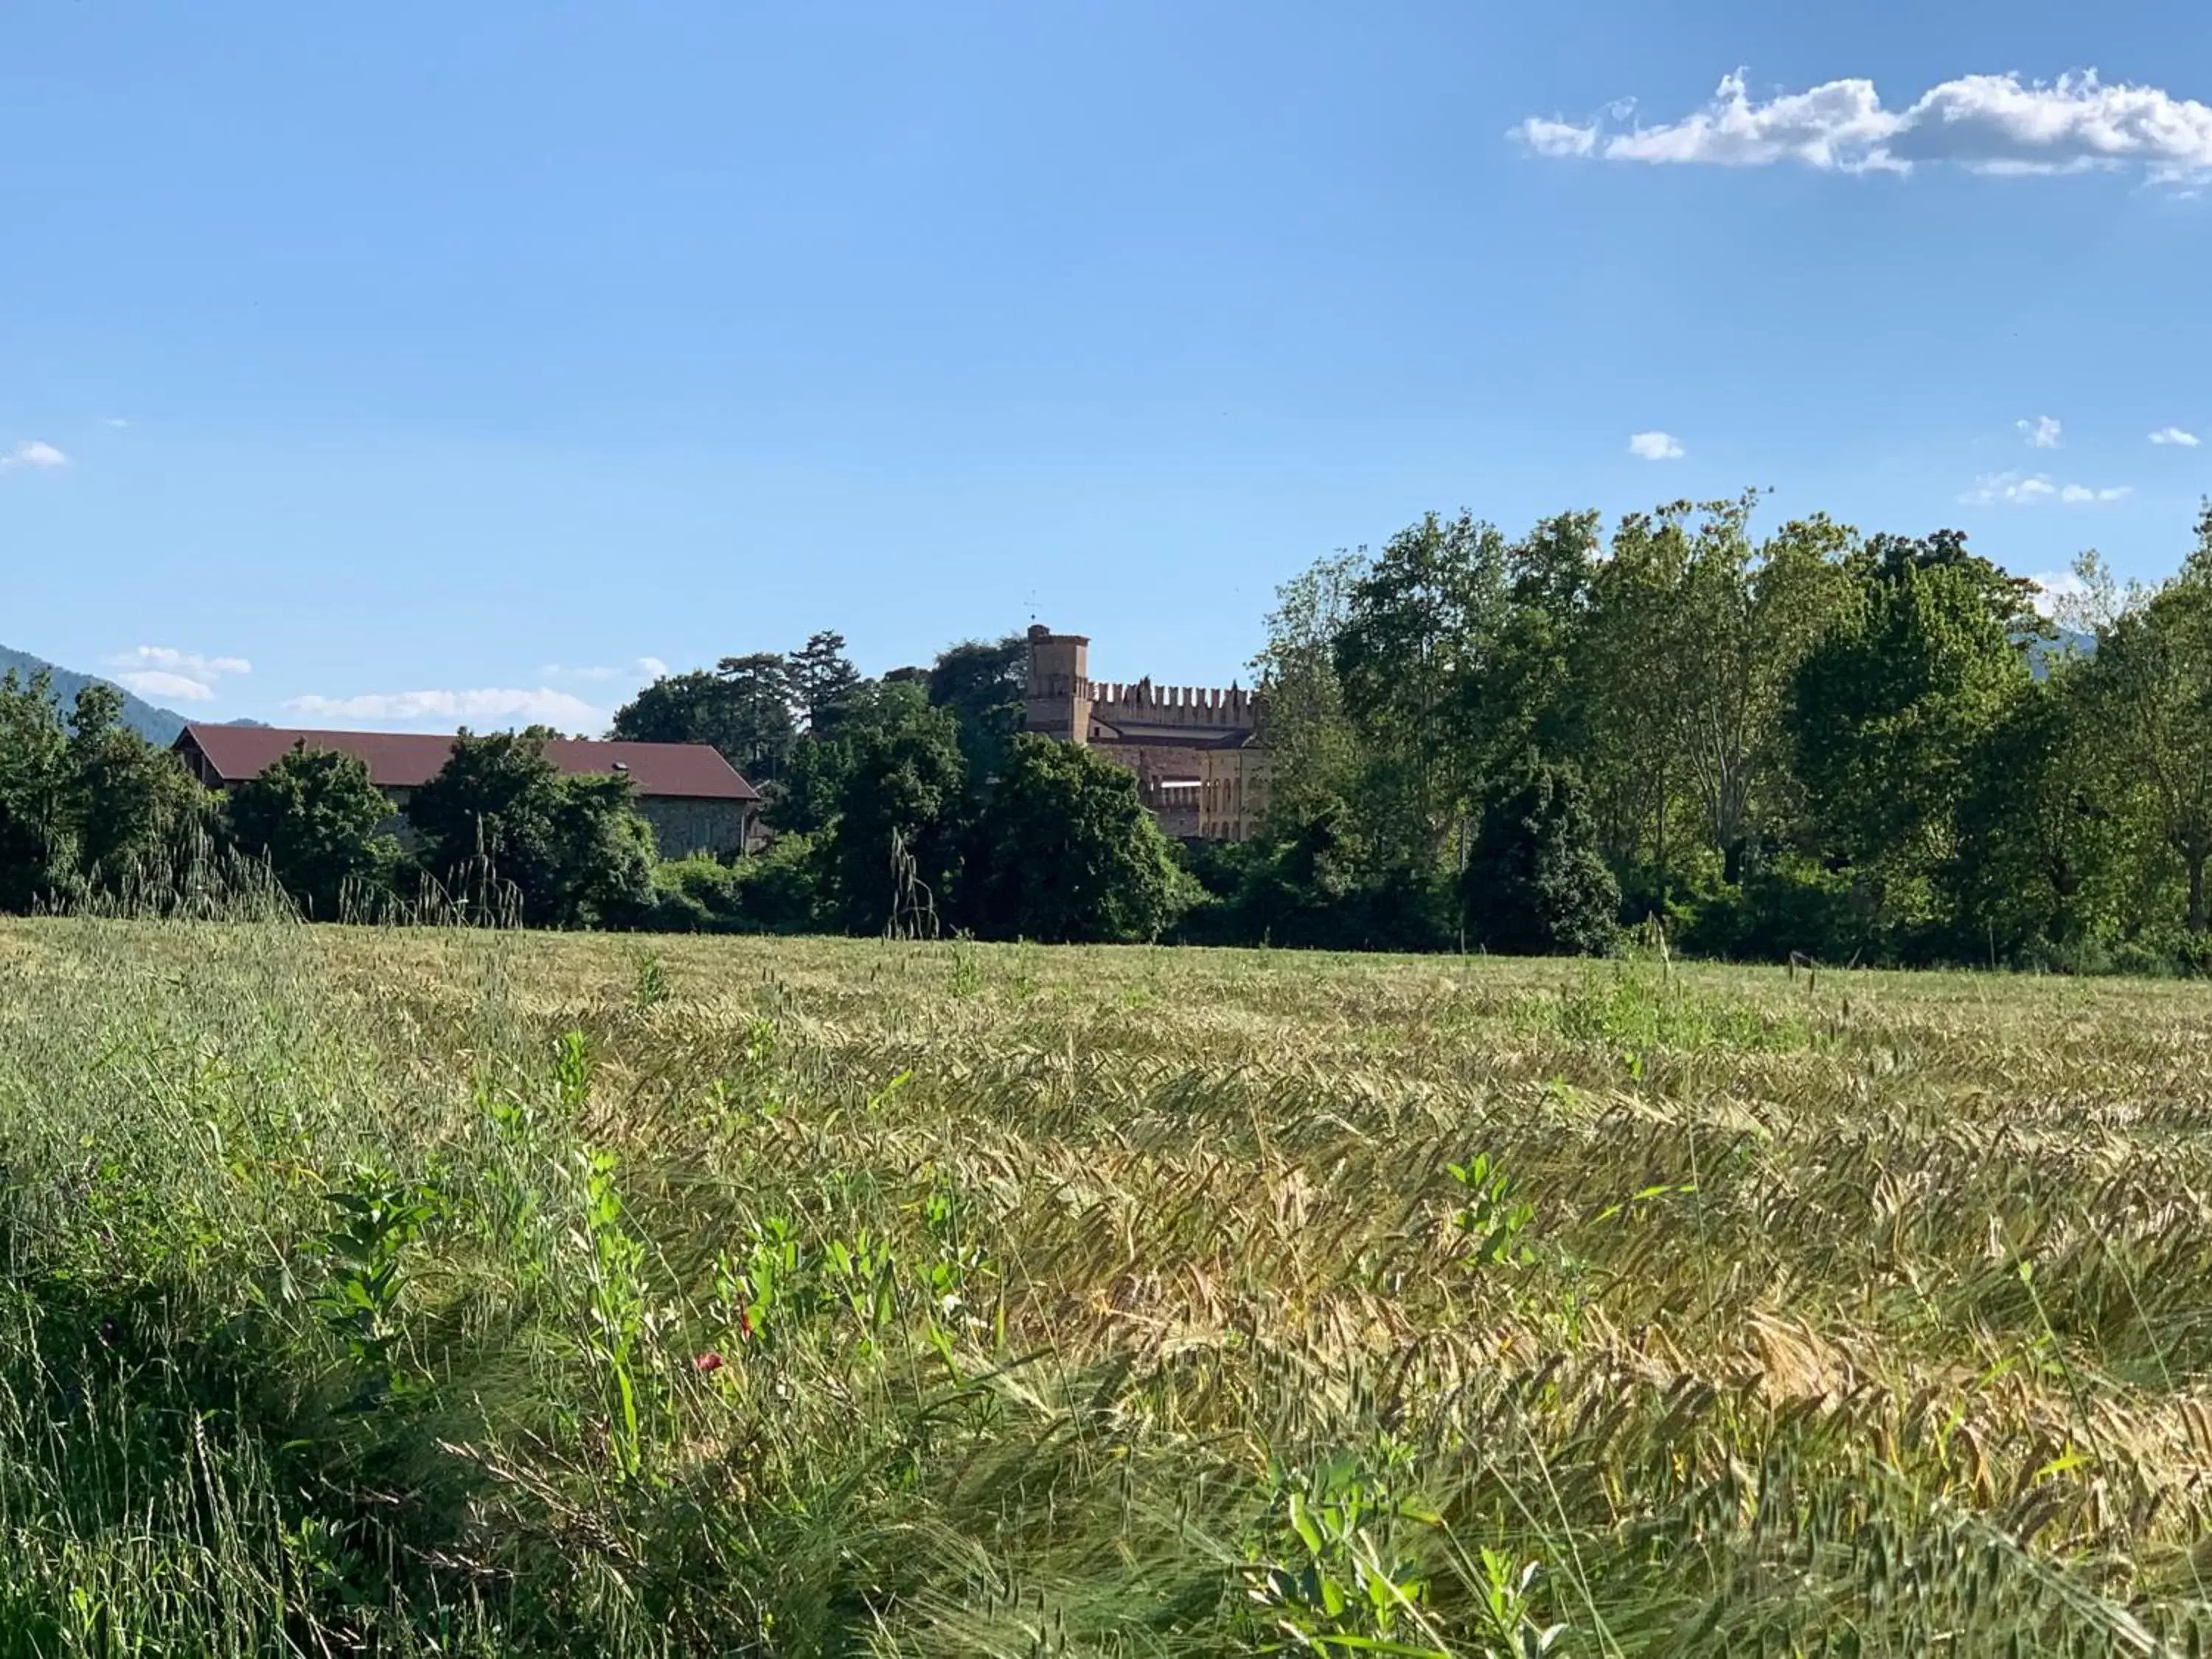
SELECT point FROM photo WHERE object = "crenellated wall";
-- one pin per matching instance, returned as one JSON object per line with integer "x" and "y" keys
{"x": 1163, "y": 733}
{"x": 1222, "y": 710}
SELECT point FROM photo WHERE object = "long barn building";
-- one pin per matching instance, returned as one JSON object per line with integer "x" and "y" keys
{"x": 693, "y": 799}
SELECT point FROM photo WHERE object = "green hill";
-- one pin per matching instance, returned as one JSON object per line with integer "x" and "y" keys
{"x": 159, "y": 726}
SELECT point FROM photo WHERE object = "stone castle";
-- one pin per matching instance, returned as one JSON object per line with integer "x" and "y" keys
{"x": 1201, "y": 767}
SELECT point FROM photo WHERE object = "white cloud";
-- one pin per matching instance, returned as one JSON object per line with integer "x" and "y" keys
{"x": 1995, "y": 487}
{"x": 2026, "y": 490}
{"x": 1557, "y": 137}
{"x": 2054, "y": 587}
{"x": 1656, "y": 445}
{"x": 542, "y": 705}
{"x": 31, "y": 452}
{"x": 2174, "y": 435}
{"x": 184, "y": 662}
{"x": 172, "y": 688}
{"x": 1989, "y": 124}
{"x": 2041, "y": 433}
{"x": 115, "y": 421}
{"x": 650, "y": 668}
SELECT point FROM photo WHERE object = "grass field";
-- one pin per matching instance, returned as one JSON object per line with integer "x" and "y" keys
{"x": 413, "y": 1293}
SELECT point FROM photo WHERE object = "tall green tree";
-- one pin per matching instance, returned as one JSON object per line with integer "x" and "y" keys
{"x": 572, "y": 848}
{"x": 85, "y": 802}
{"x": 1634, "y": 688}
{"x": 137, "y": 811}
{"x": 897, "y": 847}
{"x": 1917, "y": 670}
{"x": 1070, "y": 854}
{"x": 2150, "y": 681}
{"x": 2045, "y": 829}
{"x": 1741, "y": 621}
{"x": 983, "y": 684}
{"x": 1314, "y": 747}
{"x": 1421, "y": 628}
{"x": 37, "y": 839}
{"x": 758, "y": 712}
{"x": 822, "y": 682}
{"x": 314, "y": 815}
{"x": 604, "y": 856}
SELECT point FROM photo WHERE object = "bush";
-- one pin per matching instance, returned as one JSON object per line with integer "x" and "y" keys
{"x": 1536, "y": 884}
{"x": 1793, "y": 906}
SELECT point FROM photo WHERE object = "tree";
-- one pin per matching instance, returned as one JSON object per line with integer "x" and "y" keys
{"x": 1536, "y": 884}
{"x": 491, "y": 808}
{"x": 1884, "y": 711}
{"x": 38, "y": 846}
{"x": 822, "y": 682}
{"x": 1741, "y": 621}
{"x": 1314, "y": 749}
{"x": 2045, "y": 825}
{"x": 743, "y": 710}
{"x": 1420, "y": 631}
{"x": 313, "y": 814}
{"x": 1072, "y": 854}
{"x": 1631, "y": 668}
{"x": 604, "y": 856}
{"x": 572, "y": 848}
{"x": 136, "y": 811}
{"x": 983, "y": 685}
{"x": 757, "y": 708}
{"x": 898, "y": 839}
{"x": 693, "y": 708}
{"x": 84, "y": 801}
{"x": 2150, "y": 681}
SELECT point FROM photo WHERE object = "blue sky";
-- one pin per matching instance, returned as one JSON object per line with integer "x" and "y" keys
{"x": 396, "y": 365}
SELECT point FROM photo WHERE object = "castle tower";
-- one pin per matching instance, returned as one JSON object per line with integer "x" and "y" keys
{"x": 1059, "y": 685}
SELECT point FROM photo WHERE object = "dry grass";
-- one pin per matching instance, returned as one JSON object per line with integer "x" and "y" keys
{"x": 1109, "y": 1301}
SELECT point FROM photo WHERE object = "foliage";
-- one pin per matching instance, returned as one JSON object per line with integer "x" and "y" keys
{"x": 1069, "y": 854}
{"x": 85, "y": 802}
{"x": 2149, "y": 685}
{"x": 775, "y": 891}
{"x": 981, "y": 685}
{"x": 905, "y": 796}
{"x": 314, "y": 815}
{"x": 499, "y": 815}
{"x": 743, "y": 709}
{"x": 1887, "y": 707}
{"x": 822, "y": 682}
{"x": 1535, "y": 884}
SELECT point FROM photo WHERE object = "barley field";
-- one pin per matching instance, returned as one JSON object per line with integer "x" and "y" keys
{"x": 411, "y": 1292}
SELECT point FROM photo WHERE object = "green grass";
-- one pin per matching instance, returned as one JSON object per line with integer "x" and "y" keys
{"x": 462, "y": 1293}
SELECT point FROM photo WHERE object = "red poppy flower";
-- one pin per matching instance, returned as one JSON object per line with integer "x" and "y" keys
{"x": 708, "y": 1361}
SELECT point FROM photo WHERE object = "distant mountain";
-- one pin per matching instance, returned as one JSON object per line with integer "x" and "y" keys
{"x": 157, "y": 726}
{"x": 2068, "y": 643}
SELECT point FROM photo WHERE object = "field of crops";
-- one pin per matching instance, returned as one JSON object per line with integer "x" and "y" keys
{"x": 413, "y": 1293}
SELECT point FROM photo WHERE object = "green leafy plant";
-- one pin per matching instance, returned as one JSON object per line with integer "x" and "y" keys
{"x": 378, "y": 1216}
{"x": 1331, "y": 1573}
{"x": 1494, "y": 1217}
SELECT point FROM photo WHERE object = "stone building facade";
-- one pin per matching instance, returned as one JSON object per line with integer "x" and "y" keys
{"x": 1201, "y": 766}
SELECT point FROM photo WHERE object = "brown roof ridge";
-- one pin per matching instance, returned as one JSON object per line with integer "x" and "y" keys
{"x": 407, "y": 760}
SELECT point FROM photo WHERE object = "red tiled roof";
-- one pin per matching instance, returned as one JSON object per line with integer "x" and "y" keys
{"x": 407, "y": 760}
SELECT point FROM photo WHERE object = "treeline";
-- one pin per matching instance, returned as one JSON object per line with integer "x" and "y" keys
{"x": 912, "y": 804}
{"x": 89, "y": 810}
{"x": 909, "y": 804}
{"x": 1859, "y": 748}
